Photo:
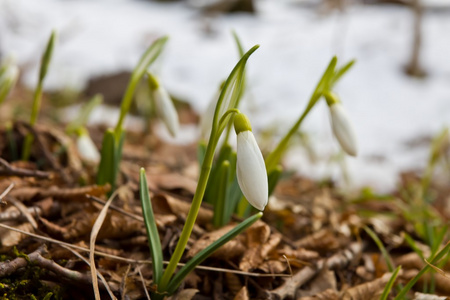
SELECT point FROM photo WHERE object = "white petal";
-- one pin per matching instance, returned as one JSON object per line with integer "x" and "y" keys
{"x": 87, "y": 149}
{"x": 166, "y": 110}
{"x": 343, "y": 129}
{"x": 251, "y": 170}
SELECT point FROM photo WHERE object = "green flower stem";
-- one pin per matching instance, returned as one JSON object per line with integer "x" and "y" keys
{"x": 37, "y": 98}
{"x": 190, "y": 220}
{"x": 149, "y": 57}
{"x": 274, "y": 157}
{"x": 216, "y": 131}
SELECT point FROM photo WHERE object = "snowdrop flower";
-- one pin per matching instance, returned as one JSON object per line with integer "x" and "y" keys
{"x": 164, "y": 105}
{"x": 250, "y": 167}
{"x": 8, "y": 79}
{"x": 341, "y": 125}
{"x": 86, "y": 147}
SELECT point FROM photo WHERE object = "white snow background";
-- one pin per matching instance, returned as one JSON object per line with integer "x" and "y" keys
{"x": 388, "y": 108}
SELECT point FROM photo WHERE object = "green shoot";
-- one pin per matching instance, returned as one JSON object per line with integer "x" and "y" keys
{"x": 152, "y": 231}
{"x": 45, "y": 62}
{"x": 380, "y": 246}
{"x": 112, "y": 154}
{"x": 390, "y": 284}
{"x": 402, "y": 294}
{"x": 220, "y": 204}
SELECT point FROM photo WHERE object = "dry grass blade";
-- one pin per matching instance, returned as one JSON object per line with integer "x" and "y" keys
{"x": 95, "y": 229}
{"x": 137, "y": 261}
{"x": 102, "y": 278}
{"x": 24, "y": 210}
{"x": 143, "y": 283}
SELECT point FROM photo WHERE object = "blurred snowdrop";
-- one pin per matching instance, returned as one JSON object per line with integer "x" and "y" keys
{"x": 250, "y": 168}
{"x": 164, "y": 105}
{"x": 208, "y": 116}
{"x": 342, "y": 127}
{"x": 9, "y": 73}
{"x": 86, "y": 147}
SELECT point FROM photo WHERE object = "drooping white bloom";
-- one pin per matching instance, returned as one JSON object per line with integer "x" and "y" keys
{"x": 164, "y": 106}
{"x": 250, "y": 168}
{"x": 87, "y": 149}
{"x": 343, "y": 129}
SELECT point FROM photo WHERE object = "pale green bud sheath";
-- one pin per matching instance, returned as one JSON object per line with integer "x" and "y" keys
{"x": 7, "y": 81}
{"x": 250, "y": 167}
{"x": 341, "y": 124}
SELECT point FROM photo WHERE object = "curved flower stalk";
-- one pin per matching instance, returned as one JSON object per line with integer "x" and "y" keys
{"x": 250, "y": 168}
{"x": 164, "y": 105}
{"x": 341, "y": 124}
{"x": 86, "y": 147}
{"x": 8, "y": 79}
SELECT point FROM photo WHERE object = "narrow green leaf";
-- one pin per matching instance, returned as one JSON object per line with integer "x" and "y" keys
{"x": 273, "y": 178}
{"x": 106, "y": 166}
{"x": 402, "y": 294}
{"x": 205, "y": 253}
{"x": 234, "y": 196}
{"x": 390, "y": 284}
{"x": 380, "y": 246}
{"x": 11, "y": 141}
{"x": 413, "y": 245}
{"x": 341, "y": 72}
{"x": 47, "y": 56}
{"x": 117, "y": 156}
{"x": 238, "y": 43}
{"x": 201, "y": 151}
{"x": 222, "y": 188}
{"x": 152, "y": 231}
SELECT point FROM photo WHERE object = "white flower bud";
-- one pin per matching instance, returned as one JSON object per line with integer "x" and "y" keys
{"x": 87, "y": 149}
{"x": 343, "y": 129}
{"x": 250, "y": 167}
{"x": 164, "y": 106}
{"x": 207, "y": 118}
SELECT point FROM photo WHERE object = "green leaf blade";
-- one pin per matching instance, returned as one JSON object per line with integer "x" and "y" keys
{"x": 152, "y": 231}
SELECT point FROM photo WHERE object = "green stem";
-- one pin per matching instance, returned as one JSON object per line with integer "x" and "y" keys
{"x": 190, "y": 220}
{"x": 37, "y": 99}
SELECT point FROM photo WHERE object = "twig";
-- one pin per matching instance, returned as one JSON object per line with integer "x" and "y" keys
{"x": 5, "y": 192}
{"x": 143, "y": 283}
{"x": 136, "y": 261}
{"x": 9, "y": 267}
{"x": 9, "y": 170}
{"x": 337, "y": 261}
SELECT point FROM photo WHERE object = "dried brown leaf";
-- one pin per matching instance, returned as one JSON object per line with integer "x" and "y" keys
{"x": 329, "y": 294}
{"x": 10, "y": 238}
{"x": 233, "y": 283}
{"x": 173, "y": 181}
{"x": 367, "y": 291}
{"x": 273, "y": 266}
{"x": 260, "y": 242}
{"x": 322, "y": 241}
{"x": 233, "y": 248}
{"x": 421, "y": 296}
{"x": 242, "y": 294}
{"x": 186, "y": 294}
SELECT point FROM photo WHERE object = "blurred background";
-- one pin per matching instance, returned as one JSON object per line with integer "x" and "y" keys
{"x": 397, "y": 94}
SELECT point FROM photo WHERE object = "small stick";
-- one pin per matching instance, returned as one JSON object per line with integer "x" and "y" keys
{"x": 5, "y": 192}
{"x": 9, "y": 170}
